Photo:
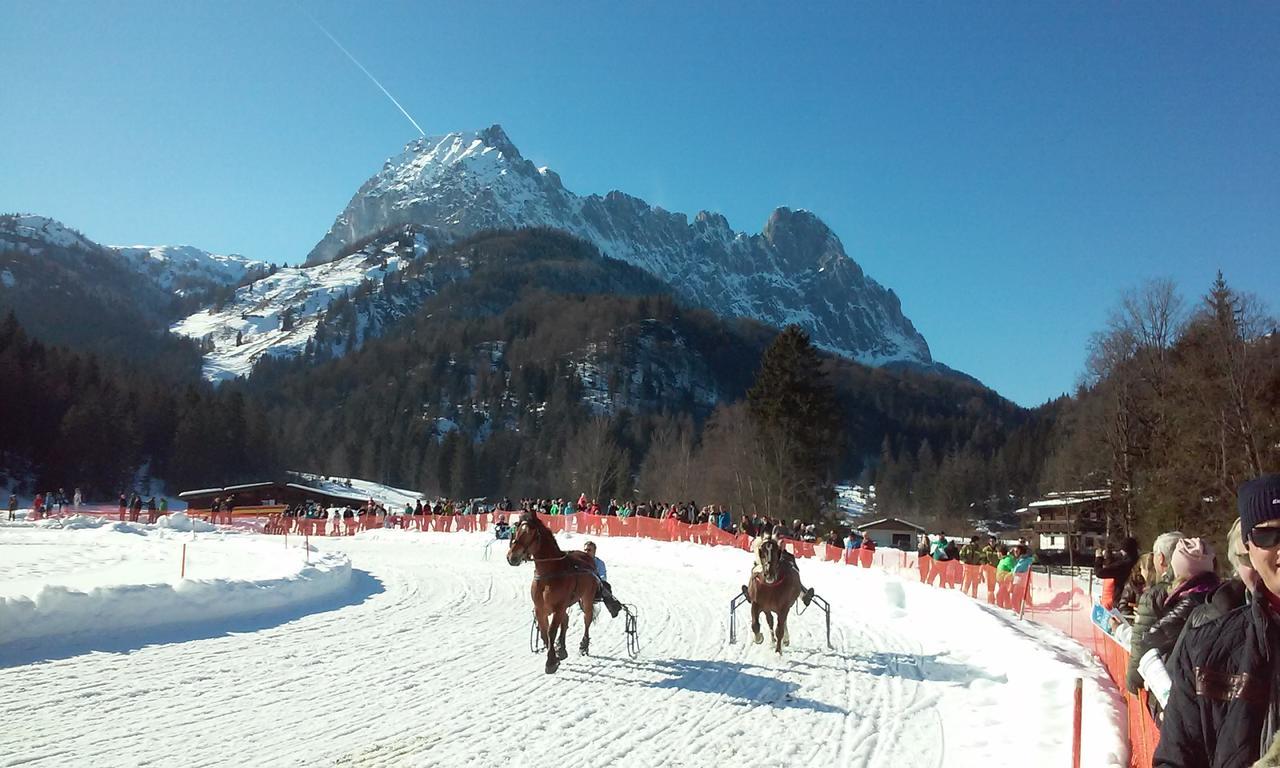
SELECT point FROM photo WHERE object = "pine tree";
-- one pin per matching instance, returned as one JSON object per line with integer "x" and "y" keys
{"x": 798, "y": 417}
{"x": 463, "y": 485}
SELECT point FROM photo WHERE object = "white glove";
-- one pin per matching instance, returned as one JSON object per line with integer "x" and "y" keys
{"x": 1155, "y": 677}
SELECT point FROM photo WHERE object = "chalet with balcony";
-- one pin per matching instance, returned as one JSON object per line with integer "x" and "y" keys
{"x": 1070, "y": 522}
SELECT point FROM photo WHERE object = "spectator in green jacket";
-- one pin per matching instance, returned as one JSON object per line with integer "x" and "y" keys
{"x": 990, "y": 559}
{"x": 1004, "y": 576}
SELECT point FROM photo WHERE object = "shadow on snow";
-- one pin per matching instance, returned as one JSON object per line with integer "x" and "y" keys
{"x": 739, "y": 683}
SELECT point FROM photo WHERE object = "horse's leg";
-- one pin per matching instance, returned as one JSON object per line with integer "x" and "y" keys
{"x": 544, "y": 623}
{"x": 768, "y": 617}
{"x": 755, "y": 623}
{"x": 553, "y": 624}
{"x": 780, "y": 637}
{"x": 588, "y": 613}
{"x": 562, "y": 616}
{"x": 543, "y": 617}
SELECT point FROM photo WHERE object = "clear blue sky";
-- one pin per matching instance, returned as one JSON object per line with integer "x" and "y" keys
{"x": 1006, "y": 168}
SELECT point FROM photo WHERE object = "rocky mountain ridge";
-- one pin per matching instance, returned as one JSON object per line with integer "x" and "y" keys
{"x": 794, "y": 271}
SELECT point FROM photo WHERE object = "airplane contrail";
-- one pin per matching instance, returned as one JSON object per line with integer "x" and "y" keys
{"x": 367, "y": 73}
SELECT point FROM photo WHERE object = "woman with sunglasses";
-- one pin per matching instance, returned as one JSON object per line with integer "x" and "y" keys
{"x": 1224, "y": 705}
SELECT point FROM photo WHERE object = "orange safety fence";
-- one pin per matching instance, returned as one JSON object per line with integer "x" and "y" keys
{"x": 1144, "y": 734}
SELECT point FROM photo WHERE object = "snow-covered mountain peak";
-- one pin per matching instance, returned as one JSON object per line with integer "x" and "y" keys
{"x": 41, "y": 229}
{"x": 794, "y": 271}
{"x": 483, "y": 154}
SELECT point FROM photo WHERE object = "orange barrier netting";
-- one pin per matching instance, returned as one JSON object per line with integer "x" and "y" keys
{"x": 1144, "y": 734}
{"x": 1060, "y": 601}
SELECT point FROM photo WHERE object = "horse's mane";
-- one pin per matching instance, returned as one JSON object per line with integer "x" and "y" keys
{"x": 536, "y": 523}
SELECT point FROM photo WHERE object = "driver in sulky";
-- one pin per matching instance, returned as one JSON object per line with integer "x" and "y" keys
{"x": 606, "y": 592}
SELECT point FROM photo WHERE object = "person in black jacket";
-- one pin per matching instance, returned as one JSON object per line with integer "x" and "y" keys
{"x": 1230, "y": 594}
{"x": 1114, "y": 572}
{"x": 1224, "y": 706}
{"x": 1193, "y": 582}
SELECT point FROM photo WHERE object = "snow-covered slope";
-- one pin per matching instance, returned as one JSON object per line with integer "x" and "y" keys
{"x": 854, "y": 501}
{"x": 28, "y": 233}
{"x": 181, "y": 268}
{"x": 794, "y": 271}
{"x": 278, "y": 314}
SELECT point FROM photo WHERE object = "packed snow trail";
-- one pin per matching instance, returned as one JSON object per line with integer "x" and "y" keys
{"x": 427, "y": 662}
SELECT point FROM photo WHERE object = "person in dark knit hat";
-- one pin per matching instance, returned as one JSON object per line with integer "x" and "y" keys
{"x": 1224, "y": 705}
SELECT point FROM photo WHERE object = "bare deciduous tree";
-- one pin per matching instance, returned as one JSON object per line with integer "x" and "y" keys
{"x": 593, "y": 460}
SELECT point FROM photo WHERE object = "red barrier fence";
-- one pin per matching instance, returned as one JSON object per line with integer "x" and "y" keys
{"x": 1144, "y": 734}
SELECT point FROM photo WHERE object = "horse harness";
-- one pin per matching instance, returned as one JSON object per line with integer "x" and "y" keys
{"x": 574, "y": 568}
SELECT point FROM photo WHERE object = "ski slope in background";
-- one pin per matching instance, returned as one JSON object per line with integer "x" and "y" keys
{"x": 423, "y": 659}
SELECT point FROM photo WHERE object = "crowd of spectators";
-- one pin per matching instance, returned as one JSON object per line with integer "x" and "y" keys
{"x": 1205, "y": 647}
{"x": 48, "y": 503}
{"x": 975, "y": 565}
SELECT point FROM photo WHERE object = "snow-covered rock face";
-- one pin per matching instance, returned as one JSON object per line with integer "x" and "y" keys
{"x": 794, "y": 271}
{"x": 180, "y": 268}
{"x": 278, "y": 314}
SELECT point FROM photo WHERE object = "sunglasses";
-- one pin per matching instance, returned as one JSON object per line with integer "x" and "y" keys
{"x": 1265, "y": 538}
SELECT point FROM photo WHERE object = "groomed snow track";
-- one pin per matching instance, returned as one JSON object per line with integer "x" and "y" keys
{"x": 426, "y": 662}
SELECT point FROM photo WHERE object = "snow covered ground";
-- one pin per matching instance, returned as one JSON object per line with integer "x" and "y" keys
{"x": 77, "y": 580}
{"x": 423, "y": 659}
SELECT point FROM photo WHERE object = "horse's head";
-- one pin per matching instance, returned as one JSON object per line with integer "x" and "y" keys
{"x": 524, "y": 537}
{"x": 771, "y": 559}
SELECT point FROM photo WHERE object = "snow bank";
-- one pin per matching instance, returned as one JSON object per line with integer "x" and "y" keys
{"x": 72, "y": 523}
{"x": 62, "y": 612}
{"x": 181, "y": 521}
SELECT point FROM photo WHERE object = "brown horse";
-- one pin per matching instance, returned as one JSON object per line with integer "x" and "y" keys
{"x": 774, "y": 590}
{"x": 560, "y": 579}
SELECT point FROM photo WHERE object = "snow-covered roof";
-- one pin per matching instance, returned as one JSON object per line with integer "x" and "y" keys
{"x": 199, "y": 492}
{"x": 1074, "y": 497}
{"x": 889, "y": 520}
{"x": 327, "y": 492}
{"x": 228, "y": 489}
{"x": 246, "y": 486}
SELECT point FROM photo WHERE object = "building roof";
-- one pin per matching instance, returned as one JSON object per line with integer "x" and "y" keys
{"x": 332, "y": 494}
{"x": 886, "y": 521}
{"x": 228, "y": 489}
{"x": 247, "y": 486}
{"x": 1065, "y": 498}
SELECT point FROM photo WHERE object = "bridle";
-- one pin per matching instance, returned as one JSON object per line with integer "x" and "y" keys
{"x": 526, "y": 556}
{"x": 771, "y": 561}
